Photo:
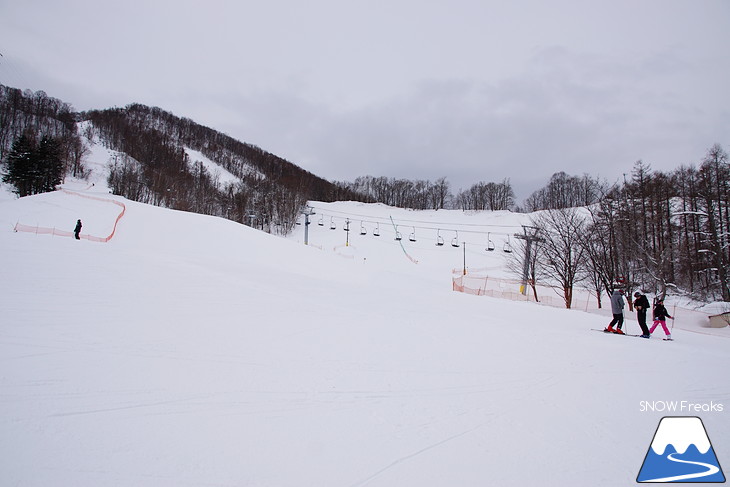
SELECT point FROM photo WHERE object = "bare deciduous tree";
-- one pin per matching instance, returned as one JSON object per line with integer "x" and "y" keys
{"x": 560, "y": 255}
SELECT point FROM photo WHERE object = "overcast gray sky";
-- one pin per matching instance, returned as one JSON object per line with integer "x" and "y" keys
{"x": 419, "y": 89}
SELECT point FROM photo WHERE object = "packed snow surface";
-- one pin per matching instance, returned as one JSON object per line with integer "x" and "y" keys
{"x": 191, "y": 350}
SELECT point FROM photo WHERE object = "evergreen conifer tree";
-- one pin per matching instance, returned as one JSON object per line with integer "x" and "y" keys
{"x": 20, "y": 166}
{"x": 49, "y": 165}
{"x": 32, "y": 169}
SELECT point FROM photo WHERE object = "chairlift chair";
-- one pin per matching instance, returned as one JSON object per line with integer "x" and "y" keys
{"x": 321, "y": 221}
{"x": 455, "y": 240}
{"x": 439, "y": 238}
{"x": 412, "y": 236}
{"x": 376, "y": 232}
{"x": 490, "y": 244}
{"x": 363, "y": 231}
{"x": 507, "y": 246}
{"x": 398, "y": 236}
{"x": 332, "y": 223}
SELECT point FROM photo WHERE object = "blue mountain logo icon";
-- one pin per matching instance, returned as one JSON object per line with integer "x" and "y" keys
{"x": 681, "y": 452}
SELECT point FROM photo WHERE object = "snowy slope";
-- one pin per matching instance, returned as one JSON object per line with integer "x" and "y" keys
{"x": 190, "y": 350}
{"x": 474, "y": 232}
{"x": 471, "y": 231}
{"x": 217, "y": 172}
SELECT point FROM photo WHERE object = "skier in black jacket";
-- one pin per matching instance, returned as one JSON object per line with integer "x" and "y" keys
{"x": 77, "y": 230}
{"x": 641, "y": 304}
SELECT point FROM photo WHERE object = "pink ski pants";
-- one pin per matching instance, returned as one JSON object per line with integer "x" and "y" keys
{"x": 657, "y": 323}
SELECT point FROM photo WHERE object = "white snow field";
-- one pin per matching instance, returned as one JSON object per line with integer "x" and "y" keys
{"x": 194, "y": 351}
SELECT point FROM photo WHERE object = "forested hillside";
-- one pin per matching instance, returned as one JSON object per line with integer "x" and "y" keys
{"x": 35, "y": 115}
{"x": 152, "y": 165}
{"x": 154, "y": 168}
{"x": 656, "y": 231}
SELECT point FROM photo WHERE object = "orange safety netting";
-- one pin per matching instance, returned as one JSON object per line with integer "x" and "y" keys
{"x": 19, "y": 227}
{"x": 481, "y": 285}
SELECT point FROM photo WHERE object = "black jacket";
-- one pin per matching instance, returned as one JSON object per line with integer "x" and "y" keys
{"x": 660, "y": 312}
{"x": 642, "y": 303}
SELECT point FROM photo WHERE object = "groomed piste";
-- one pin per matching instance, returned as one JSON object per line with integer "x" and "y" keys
{"x": 191, "y": 350}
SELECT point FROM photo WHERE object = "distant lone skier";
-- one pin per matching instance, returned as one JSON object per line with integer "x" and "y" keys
{"x": 660, "y": 318}
{"x": 617, "y": 308}
{"x": 641, "y": 303}
{"x": 77, "y": 230}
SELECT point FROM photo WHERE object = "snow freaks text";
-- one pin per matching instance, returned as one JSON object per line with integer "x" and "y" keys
{"x": 680, "y": 407}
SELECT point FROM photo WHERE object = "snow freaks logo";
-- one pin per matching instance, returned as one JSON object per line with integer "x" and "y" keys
{"x": 681, "y": 452}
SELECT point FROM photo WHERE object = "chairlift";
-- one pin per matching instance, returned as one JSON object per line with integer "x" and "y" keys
{"x": 332, "y": 223}
{"x": 347, "y": 226}
{"x": 376, "y": 232}
{"x": 363, "y": 231}
{"x": 490, "y": 244}
{"x": 321, "y": 221}
{"x": 439, "y": 238}
{"x": 455, "y": 240}
{"x": 507, "y": 247}
{"x": 398, "y": 236}
{"x": 412, "y": 236}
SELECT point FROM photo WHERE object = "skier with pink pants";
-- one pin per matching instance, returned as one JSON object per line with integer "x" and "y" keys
{"x": 660, "y": 318}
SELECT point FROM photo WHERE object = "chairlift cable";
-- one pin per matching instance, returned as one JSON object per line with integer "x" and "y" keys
{"x": 442, "y": 224}
{"x": 439, "y": 240}
{"x": 445, "y": 226}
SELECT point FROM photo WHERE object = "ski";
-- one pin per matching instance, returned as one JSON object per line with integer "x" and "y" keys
{"x": 630, "y": 335}
{"x": 619, "y": 334}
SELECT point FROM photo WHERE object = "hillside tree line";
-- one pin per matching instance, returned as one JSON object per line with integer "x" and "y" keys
{"x": 432, "y": 195}
{"x": 155, "y": 168}
{"x": 656, "y": 232}
{"x": 39, "y": 143}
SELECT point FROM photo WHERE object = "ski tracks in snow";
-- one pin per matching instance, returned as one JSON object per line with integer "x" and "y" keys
{"x": 412, "y": 455}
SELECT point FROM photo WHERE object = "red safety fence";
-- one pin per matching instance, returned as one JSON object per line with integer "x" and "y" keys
{"x": 481, "y": 284}
{"x": 19, "y": 227}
